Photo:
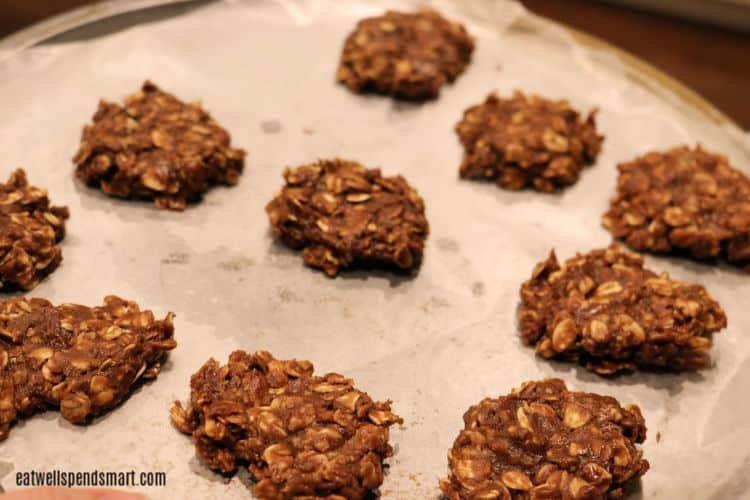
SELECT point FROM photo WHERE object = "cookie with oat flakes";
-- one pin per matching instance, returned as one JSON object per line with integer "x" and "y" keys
{"x": 543, "y": 441}
{"x": 607, "y": 311}
{"x": 30, "y": 230}
{"x": 342, "y": 214}
{"x": 527, "y": 140}
{"x": 683, "y": 201}
{"x": 156, "y": 147}
{"x": 405, "y": 55}
{"x": 81, "y": 360}
{"x": 301, "y": 435}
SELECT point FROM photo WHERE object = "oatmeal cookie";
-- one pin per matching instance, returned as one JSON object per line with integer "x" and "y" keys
{"x": 683, "y": 201}
{"x": 608, "y": 312}
{"x": 341, "y": 213}
{"x": 543, "y": 441}
{"x": 82, "y": 360}
{"x": 301, "y": 435}
{"x": 158, "y": 148}
{"x": 30, "y": 230}
{"x": 527, "y": 141}
{"x": 405, "y": 55}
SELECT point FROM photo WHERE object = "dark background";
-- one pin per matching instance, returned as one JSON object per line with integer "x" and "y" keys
{"x": 714, "y": 62}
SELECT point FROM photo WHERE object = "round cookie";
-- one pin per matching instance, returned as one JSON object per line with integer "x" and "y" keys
{"x": 341, "y": 213}
{"x": 527, "y": 141}
{"x": 609, "y": 313}
{"x": 683, "y": 201}
{"x": 544, "y": 442}
{"x": 303, "y": 436}
{"x": 405, "y": 55}
{"x": 30, "y": 229}
{"x": 156, "y": 147}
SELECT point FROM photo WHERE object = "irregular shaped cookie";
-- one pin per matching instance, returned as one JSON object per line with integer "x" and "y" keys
{"x": 156, "y": 147}
{"x": 341, "y": 213}
{"x": 82, "y": 360}
{"x": 30, "y": 228}
{"x": 527, "y": 141}
{"x": 609, "y": 313}
{"x": 405, "y": 55}
{"x": 303, "y": 436}
{"x": 684, "y": 201}
{"x": 545, "y": 442}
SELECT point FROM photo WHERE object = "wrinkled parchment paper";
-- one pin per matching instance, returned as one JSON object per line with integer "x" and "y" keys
{"x": 434, "y": 343}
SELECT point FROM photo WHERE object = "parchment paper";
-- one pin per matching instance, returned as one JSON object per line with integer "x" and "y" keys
{"x": 434, "y": 343}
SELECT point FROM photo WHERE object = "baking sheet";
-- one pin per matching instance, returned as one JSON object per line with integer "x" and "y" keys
{"x": 434, "y": 343}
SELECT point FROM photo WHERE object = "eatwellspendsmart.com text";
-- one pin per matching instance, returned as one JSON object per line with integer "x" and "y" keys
{"x": 95, "y": 478}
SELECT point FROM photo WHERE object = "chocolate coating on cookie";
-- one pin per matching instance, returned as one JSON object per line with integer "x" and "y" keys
{"x": 341, "y": 213}
{"x": 609, "y": 313}
{"x": 30, "y": 229}
{"x": 405, "y": 55}
{"x": 156, "y": 147}
{"x": 545, "y": 442}
{"x": 527, "y": 141}
{"x": 302, "y": 436}
{"x": 683, "y": 201}
{"x": 82, "y": 360}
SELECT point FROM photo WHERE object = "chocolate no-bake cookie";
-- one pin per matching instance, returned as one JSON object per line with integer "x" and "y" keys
{"x": 82, "y": 360}
{"x": 30, "y": 228}
{"x": 608, "y": 312}
{"x": 685, "y": 201}
{"x": 545, "y": 442}
{"x": 405, "y": 55}
{"x": 527, "y": 141}
{"x": 156, "y": 147}
{"x": 302, "y": 436}
{"x": 341, "y": 213}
